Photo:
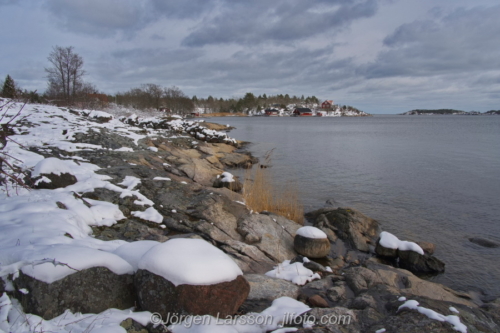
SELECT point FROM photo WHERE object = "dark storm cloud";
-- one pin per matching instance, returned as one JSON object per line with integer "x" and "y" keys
{"x": 460, "y": 42}
{"x": 251, "y": 22}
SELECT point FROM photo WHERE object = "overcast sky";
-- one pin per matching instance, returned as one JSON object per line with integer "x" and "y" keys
{"x": 381, "y": 56}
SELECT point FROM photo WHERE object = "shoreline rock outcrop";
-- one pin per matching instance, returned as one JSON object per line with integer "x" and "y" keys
{"x": 175, "y": 176}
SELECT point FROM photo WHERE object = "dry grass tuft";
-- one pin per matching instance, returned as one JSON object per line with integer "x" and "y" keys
{"x": 260, "y": 194}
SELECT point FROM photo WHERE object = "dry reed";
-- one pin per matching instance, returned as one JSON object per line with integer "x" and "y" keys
{"x": 261, "y": 195}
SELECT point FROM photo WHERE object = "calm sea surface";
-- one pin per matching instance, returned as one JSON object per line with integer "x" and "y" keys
{"x": 430, "y": 178}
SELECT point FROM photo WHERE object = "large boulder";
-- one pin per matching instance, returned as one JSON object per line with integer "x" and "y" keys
{"x": 189, "y": 276}
{"x": 410, "y": 255}
{"x": 52, "y": 173}
{"x": 156, "y": 294}
{"x": 311, "y": 242}
{"x": 91, "y": 290}
{"x": 356, "y": 229}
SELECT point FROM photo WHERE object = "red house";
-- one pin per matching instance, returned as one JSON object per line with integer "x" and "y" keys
{"x": 326, "y": 105}
{"x": 302, "y": 112}
{"x": 272, "y": 112}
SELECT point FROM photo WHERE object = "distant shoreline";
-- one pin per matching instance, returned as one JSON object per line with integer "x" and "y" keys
{"x": 433, "y": 112}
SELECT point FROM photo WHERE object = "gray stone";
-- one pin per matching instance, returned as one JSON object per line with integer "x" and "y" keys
{"x": 238, "y": 160}
{"x": 264, "y": 290}
{"x": 420, "y": 264}
{"x": 131, "y": 326}
{"x": 360, "y": 231}
{"x": 91, "y": 290}
{"x": 274, "y": 234}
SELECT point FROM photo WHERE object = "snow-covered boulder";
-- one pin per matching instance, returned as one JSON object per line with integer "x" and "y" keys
{"x": 359, "y": 231}
{"x": 189, "y": 276}
{"x": 311, "y": 242}
{"x": 52, "y": 173}
{"x": 91, "y": 290}
{"x": 227, "y": 180}
{"x": 411, "y": 255}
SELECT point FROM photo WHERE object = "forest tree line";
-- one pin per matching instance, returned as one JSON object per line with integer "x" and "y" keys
{"x": 66, "y": 87}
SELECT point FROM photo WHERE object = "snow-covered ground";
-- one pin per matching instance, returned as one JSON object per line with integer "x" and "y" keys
{"x": 47, "y": 233}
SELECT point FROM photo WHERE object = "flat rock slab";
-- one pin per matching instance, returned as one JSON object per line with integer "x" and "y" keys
{"x": 264, "y": 290}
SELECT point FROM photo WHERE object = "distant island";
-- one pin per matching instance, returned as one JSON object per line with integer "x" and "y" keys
{"x": 419, "y": 112}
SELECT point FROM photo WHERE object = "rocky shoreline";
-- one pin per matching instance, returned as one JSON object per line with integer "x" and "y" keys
{"x": 178, "y": 168}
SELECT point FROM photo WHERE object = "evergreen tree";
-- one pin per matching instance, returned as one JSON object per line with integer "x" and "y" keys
{"x": 9, "y": 88}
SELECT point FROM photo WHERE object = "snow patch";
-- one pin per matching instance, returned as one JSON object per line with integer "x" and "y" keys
{"x": 190, "y": 261}
{"x": 226, "y": 177}
{"x": 52, "y": 165}
{"x": 452, "y": 319}
{"x": 149, "y": 214}
{"x": 311, "y": 232}
{"x": 296, "y": 273}
{"x": 390, "y": 241}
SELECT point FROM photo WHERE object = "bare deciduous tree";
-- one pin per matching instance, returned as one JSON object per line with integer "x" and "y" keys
{"x": 65, "y": 75}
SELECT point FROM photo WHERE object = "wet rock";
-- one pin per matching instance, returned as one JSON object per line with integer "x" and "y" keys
{"x": 91, "y": 290}
{"x": 156, "y": 294}
{"x": 311, "y": 247}
{"x": 264, "y": 290}
{"x": 420, "y": 264}
{"x": 360, "y": 231}
{"x": 484, "y": 242}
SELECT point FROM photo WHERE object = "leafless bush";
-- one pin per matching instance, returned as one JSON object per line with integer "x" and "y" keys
{"x": 10, "y": 174}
